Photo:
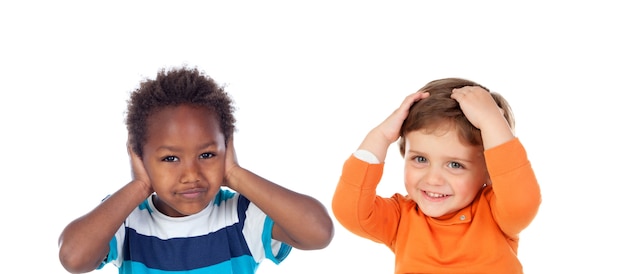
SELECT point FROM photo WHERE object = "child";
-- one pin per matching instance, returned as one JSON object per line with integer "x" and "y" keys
{"x": 471, "y": 189}
{"x": 174, "y": 216}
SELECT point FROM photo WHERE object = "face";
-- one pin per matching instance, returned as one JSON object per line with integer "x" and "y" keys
{"x": 441, "y": 174}
{"x": 185, "y": 159}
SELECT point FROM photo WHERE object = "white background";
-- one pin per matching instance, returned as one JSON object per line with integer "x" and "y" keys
{"x": 309, "y": 80}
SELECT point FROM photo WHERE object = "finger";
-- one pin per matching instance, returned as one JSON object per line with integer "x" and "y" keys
{"x": 129, "y": 144}
{"x": 420, "y": 95}
{"x": 129, "y": 148}
{"x": 411, "y": 99}
{"x": 459, "y": 91}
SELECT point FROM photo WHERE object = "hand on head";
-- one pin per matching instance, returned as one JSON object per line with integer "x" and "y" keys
{"x": 477, "y": 104}
{"x": 138, "y": 170}
{"x": 390, "y": 127}
{"x": 480, "y": 108}
{"x": 231, "y": 161}
{"x": 382, "y": 136}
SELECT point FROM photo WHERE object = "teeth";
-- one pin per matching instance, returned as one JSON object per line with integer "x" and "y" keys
{"x": 435, "y": 195}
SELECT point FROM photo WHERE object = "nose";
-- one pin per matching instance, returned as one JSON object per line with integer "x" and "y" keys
{"x": 434, "y": 176}
{"x": 191, "y": 172}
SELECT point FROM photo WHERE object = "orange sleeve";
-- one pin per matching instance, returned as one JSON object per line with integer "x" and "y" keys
{"x": 356, "y": 205}
{"x": 516, "y": 194}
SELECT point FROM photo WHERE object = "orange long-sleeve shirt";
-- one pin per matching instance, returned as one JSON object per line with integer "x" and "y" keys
{"x": 481, "y": 238}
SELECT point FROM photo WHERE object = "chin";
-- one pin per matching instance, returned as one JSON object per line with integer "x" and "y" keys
{"x": 433, "y": 213}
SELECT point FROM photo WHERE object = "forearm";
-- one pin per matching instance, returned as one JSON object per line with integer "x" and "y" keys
{"x": 85, "y": 241}
{"x": 376, "y": 143}
{"x": 300, "y": 220}
{"x": 496, "y": 132}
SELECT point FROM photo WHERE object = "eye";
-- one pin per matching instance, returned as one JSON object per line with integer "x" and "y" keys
{"x": 455, "y": 165}
{"x": 170, "y": 159}
{"x": 420, "y": 159}
{"x": 207, "y": 155}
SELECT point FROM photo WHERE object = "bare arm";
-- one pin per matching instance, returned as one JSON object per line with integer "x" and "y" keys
{"x": 84, "y": 242}
{"x": 300, "y": 220}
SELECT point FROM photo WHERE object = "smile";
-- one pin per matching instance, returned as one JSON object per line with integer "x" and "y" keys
{"x": 435, "y": 195}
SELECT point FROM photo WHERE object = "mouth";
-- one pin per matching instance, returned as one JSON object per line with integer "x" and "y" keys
{"x": 192, "y": 193}
{"x": 434, "y": 195}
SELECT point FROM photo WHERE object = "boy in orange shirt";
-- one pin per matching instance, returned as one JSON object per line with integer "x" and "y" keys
{"x": 471, "y": 188}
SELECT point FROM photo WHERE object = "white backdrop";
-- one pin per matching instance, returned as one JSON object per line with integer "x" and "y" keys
{"x": 309, "y": 80}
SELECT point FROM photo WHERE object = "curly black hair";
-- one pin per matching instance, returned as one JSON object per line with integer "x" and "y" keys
{"x": 174, "y": 87}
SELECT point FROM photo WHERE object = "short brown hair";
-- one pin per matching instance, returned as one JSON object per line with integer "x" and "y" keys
{"x": 440, "y": 109}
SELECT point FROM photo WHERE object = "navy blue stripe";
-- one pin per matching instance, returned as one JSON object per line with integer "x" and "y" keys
{"x": 178, "y": 254}
{"x": 242, "y": 207}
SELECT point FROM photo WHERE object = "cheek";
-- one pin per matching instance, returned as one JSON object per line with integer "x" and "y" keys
{"x": 412, "y": 177}
{"x": 469, "y": 187}
{"x": 214, "y": 171}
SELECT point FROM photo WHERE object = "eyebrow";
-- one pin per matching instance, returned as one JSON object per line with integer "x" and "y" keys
{"x": 172, "y": 148}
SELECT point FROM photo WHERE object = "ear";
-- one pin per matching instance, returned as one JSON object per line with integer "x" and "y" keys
{"x": 488, "y": 183}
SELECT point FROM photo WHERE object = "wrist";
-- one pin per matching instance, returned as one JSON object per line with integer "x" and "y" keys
{"x": 232, "y": 175}
{"x": 142, "y": 187}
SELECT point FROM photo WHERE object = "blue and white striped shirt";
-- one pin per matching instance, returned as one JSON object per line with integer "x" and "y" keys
{"x": 231, "y": 235}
